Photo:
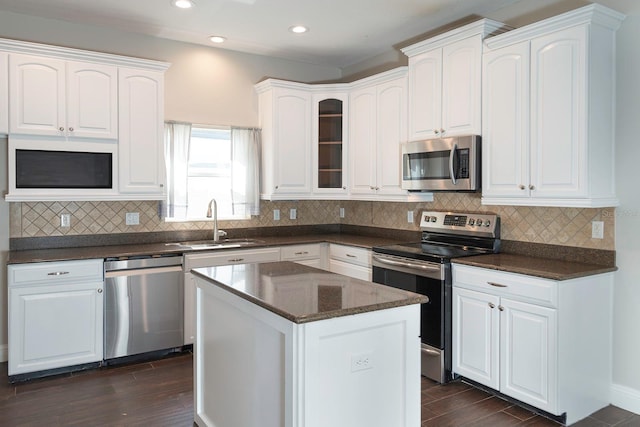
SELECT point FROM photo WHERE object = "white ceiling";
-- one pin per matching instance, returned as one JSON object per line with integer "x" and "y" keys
{"x": 342, "y": 32}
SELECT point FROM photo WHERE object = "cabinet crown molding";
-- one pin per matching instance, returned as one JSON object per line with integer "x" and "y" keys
{"x": 67, "y": 53}
{"x": 591, "y": 14}
{"x": 484, "y": 27}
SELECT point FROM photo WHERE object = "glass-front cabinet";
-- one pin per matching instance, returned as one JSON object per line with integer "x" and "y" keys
{"x": 329, "y": 135}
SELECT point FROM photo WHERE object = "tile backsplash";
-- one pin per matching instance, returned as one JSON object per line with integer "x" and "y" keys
{"x": 556, "y": 226}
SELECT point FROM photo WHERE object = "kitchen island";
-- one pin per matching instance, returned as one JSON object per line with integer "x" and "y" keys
{"x": 283, "y": 344}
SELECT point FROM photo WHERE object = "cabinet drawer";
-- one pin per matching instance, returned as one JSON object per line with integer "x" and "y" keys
{"x": 502, "y": 283}
{"x": 90, "y": 270}
{"x": 351, "y": 254}
{"x": 295, "y": 252}
{"x": 209, "y": 259}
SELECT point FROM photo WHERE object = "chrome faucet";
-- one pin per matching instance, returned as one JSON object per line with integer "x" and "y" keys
{"x": 216, "y": 233}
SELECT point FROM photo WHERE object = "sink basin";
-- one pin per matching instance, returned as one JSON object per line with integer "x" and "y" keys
{"x": 221, "y": 244}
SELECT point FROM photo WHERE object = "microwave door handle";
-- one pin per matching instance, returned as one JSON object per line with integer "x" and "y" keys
{"x": 451, "y": 157}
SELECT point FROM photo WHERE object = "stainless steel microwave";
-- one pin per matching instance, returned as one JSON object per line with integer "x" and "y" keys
{"x": 445, "y": 164}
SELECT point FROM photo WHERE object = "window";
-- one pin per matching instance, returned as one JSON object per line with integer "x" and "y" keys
{"x": 205, "y": 163}
{"x": 209, "y": 173}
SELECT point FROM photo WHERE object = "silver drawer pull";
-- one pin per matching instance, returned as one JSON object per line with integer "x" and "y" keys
{"x": 497, "y": 285}
{"x": 301, "y": 253}
{"x": 351, "y": 256}
{"x": 235, "y": 259}
{"x": 58, "y": 273}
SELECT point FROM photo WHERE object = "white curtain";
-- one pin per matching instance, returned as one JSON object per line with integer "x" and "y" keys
{"x": 245, "y": 170}
{"x": 176, "y": 153}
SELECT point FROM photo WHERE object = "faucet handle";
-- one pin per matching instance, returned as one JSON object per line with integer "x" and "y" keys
{"x": 222, "y": 233}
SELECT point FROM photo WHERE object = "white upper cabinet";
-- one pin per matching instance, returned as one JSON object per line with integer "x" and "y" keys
{"x": 548, "y": 105}
{"x": 4, "y": 93}
{"x": 445, "y": 82}
{"x": 141, "y": 145}
{"x": 377, "y": 127}
{"x": 54, "y": 97}
{"x": 285, "y": 118}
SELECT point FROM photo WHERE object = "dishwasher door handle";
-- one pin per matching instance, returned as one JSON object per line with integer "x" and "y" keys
{"x": 142, "y": 271}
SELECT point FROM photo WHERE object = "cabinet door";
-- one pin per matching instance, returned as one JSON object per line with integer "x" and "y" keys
{"x": 505, "y": 131}
{"x": 362, "y": 140}
{"x": 528, "y": 370}
{"x": 4, "y": 93}
{"x": 141, "y": 145}
{"x": 329, "y": 143}
{"x": 558, "y": 112}
{"x": 425, "y": 95}
{"x": 461, "y": 86}
{"x": 475, "y": 333}
{"x": 292, "y": 141}
{"x": 54, "y": 326}
{"x": 391, "y": 132}
{"x": 92, "y": 100}
{"x": 37, "y": 95}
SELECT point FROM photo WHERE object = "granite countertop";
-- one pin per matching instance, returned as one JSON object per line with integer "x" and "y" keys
{"x": 132, "y": 250}
{"x": 302, "y": 294}
{"x": 534, "y": 266}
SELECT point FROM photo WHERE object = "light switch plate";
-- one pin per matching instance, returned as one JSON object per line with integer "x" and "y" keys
{"x": 293, "y": 213}
{"x": 132, "y": 218}
{"x": 410, "y": 217}
{"x": 276, "y": 214}
{"x": 341, "y": 212}
{"x": 597, "y": 229}
{"x": 65, "y": 220}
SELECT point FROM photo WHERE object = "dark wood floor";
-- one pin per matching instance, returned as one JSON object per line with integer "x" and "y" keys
{"x": 160, "y": 393}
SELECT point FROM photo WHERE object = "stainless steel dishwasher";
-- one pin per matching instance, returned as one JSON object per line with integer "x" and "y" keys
{"x": 144, "y": 304}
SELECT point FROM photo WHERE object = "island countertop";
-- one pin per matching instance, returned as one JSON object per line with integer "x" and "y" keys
{"x": 304, "y": 294}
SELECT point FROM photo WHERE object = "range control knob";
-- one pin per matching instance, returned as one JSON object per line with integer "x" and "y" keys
{"x": 434, "y": 218}
{"x": 472, "y": 221}
{"x": 426, "y": 218}
{"x": 478, "y": 222}
{"x": 487, "y": 223}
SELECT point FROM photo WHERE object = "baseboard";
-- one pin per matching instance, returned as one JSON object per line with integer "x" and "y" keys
{"x": 4, "y": 353}
{"x": 625, "y": 398}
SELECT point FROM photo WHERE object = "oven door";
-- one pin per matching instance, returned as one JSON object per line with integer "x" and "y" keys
{"x": 425, "y": 278}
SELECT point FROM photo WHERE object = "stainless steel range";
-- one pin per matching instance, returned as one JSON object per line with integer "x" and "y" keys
{"x": 425, "y": 267}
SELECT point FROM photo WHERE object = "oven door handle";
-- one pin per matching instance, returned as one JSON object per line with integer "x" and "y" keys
{"x": 406, "y": 264}
{"x": 451, "y": 170}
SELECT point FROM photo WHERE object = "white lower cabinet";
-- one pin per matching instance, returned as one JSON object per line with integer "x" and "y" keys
{"x": 313, "y": 255}
{"x": 210, "y": 259}
{"x": 350, "y": 260}
{"x": 55, "y": 315}
{"x": 528, "y": 338}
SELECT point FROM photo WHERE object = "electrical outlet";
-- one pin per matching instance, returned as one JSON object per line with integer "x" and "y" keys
{"x": 362, "y": 361}
{"x": 276, "y": 214}
{"x": 65, "y": 220}
{"x": 132, "y": 218}
{"x": 597, "y": 229}
{"x": 410, "y": 217}
{"x": 293, "y": 213}
{"x": 341, "y": 212}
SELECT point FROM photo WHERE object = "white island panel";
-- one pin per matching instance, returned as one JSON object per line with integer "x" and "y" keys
{"x": 256, "y": 368}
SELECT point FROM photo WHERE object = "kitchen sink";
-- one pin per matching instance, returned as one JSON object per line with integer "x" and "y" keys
{"x": 221, "y": 244}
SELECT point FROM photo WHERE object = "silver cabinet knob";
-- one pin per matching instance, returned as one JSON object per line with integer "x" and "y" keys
{"x": 501, "y": 308}
{"x": 522, "y": 187}
{"x": 70, "y": 129}
{"x": 436, "y": 131}
{"x": 61, "y": 129}
{"x": 532, "y": 187}
{"x": 99, "y": 290}
{"x": 441, "y": 131}
{"x": 492, "y": 305}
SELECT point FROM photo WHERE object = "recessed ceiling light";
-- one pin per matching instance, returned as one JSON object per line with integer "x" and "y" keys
{"x": 298, "y": 29}
{"x": 217, "y": 39}
{"x": 183, "y": 4}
